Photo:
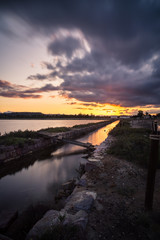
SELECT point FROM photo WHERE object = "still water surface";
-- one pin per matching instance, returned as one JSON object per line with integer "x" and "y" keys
{"x": 39, "y": 182}
{"x": 7, "y": 126}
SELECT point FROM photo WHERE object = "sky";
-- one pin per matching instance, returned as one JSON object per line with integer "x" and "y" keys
{"x": 80, "y": 56}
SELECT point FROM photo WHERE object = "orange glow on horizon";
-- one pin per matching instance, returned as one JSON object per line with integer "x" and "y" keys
{"x": 59, "y": 105}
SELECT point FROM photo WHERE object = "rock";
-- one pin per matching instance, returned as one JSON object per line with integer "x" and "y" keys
{"x": 98, "y": 206}
{"x": 103, "y": 175}
{"x": 93, "y": 159}
{"x": 50, "y": 219}
{"x": 90, "y": 166}
{"x": 6, "y": 218}
{"x": 83, "y": 181}
{"x": 80, "y": 201}
{"x": 55, "y": 218}
{"x": 80, "y": 219}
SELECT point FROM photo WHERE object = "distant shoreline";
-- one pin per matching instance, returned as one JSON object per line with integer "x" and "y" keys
{"x": 55, "y": 118}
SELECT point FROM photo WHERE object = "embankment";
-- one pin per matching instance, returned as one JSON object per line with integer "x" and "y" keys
{"x": 8, "y": 153}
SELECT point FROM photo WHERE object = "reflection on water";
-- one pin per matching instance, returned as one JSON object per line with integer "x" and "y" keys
{"x": 35, "y": 125}
{"x": 41, "y": 180}
{"x": 32, "y": 185}
{"x": 100, "y": 135}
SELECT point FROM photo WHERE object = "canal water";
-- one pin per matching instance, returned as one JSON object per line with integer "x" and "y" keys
{"x": 10, "y": 125}
{"x": 39, "y": 182}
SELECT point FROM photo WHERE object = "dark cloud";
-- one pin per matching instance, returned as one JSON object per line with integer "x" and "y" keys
{"x": 124, "y": 39}
{"x": 91, "y": 104}
{"x": 37, "y": 77}
{"x": 10, "y": 90}
{"x": 41, "y": 77}
{"x": 156, "y": 68}
{"x": 49, "y": 87}
{"x": 5, "y": 84}
{"x": 65, "y": 46}
{"x": 102, "y": 91}
{"x": 128, "y": 30}
{"x": 14, "y": 94}
{"x": 48, "y": 65}
{"x": 108, "y": 82}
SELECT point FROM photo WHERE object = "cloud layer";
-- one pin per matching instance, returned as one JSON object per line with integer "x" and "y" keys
{"x": 10, "y": 90}
{"x": 104, "y": 51}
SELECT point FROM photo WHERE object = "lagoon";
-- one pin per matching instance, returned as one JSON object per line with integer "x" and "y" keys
{"x": 11, "y": 125}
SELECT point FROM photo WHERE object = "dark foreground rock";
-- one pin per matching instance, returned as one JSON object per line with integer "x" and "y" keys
{"x": 54, "y": 220}
{"x": 80, "y": 200}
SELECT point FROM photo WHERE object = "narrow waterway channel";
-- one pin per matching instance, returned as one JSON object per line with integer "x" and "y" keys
{"x": 40, "y": 181}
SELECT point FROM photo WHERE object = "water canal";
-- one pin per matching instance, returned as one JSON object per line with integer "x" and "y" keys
{"x": 40, "y": 180}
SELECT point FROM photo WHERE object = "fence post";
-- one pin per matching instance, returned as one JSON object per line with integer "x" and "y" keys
{"x": 154, "y": 127}
{"x": 154, "y": 154}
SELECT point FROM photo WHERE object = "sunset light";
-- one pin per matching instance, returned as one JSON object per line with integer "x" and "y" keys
{"x": 104, "y": 65}
{"x": 80, "y": 119}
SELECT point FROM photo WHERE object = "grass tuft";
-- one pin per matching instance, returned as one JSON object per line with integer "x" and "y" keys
{"x": 18, "y": 138}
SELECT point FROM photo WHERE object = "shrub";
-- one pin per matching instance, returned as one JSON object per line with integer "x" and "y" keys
{"x": 18, "y": 138}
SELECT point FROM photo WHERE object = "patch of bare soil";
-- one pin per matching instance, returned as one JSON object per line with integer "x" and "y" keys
{"x": 118, "y": 212}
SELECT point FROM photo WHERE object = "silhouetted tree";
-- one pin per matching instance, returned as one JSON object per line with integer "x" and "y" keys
{"x": 140, "y": 114}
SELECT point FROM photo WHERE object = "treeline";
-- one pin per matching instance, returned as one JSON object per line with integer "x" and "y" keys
{"x": 146, "y": 115}
{"x": 38, "y": 115}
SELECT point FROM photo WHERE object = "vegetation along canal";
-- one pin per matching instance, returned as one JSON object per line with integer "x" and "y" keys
{"x": 39, "y": 181}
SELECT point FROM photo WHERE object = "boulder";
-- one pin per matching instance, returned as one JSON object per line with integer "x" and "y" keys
{"x": 50, "y": 219}
{"x": 80, "y": 201}
{"x": 90, "y": 166}
{"x": 55, "y": 218}
{"x": 80, "y": 219}
{"x": 98, "y": 206}
{"x": 82, "y": 182}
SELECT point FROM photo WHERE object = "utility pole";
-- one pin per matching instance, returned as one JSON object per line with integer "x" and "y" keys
{"x": 152, "y": 166}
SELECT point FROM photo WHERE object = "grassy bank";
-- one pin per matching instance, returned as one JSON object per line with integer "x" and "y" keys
{"x": 22, "y": 137}
{"x": 66, "y": 129}
{"x": 18, "y": 138}
{"x": 132, "y": 144}
{"x": 56, "y": 130}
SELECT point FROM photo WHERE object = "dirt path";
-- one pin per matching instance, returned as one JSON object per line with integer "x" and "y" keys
{"x": 118, "y": 212}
